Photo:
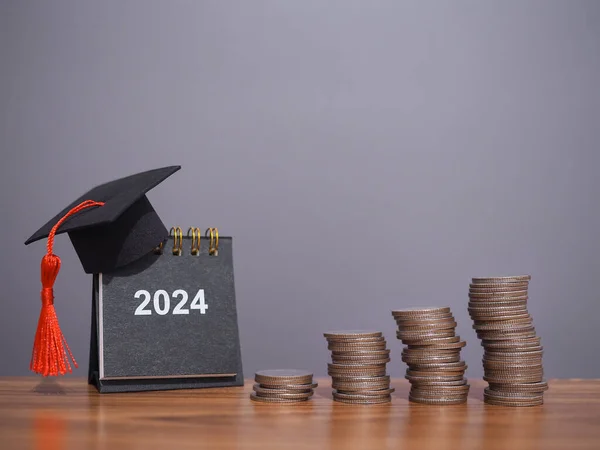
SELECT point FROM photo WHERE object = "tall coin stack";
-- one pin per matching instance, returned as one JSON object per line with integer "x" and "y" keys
{"x": 432, "y": 353}
{"x": 282, "y": 386}
{"x": 358, "y": 367}
{"x": 512, "y": 359}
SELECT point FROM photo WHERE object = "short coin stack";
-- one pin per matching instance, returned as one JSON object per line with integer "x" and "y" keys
{"x": 358, "y": 367}
{"x": 512, "y": 359}
{"x": 432, "y": 353}
{"x": 283, "y": 386}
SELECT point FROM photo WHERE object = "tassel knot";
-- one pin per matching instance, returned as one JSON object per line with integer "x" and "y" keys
{"x": 47, "y": 297}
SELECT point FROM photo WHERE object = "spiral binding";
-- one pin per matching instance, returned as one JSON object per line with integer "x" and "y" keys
{"x": 177, "y": 235}
{"x": 195, "y": 234}
{"x": 213, "y": 246}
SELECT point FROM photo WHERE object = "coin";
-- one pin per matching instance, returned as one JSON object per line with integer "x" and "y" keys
{"x": 507, "y": 367}
{"x": 425, "y": 332}
{"x": 434, "y": 378}
{"x": 358, "y": 387}
{"x": 438, "y": 401}
{"x": 373, "y": 373}
{"x": 354, "y": 357}
{"x": 357, "y": 341}
{"x": 504, "y": 325}
{"x": 507, "y": 293}
{"x": 426, "y": 394}
{"x": 498, "y": 301}
{"x": 443, "y": 388}
{"x": 352, "y": 334}
{"x": 508, "y": 376}
{"x": 353, "y": 368}
{"x": 491, "y": 308}
{"x": 502, "y": 362}
{"x": 430, "y": 326}
{"x": 356, "y": 348}
{"x": 429, "y": 359}
{"x": 539, "y": 386}
{"x": 428, "y": 382}
{"x": 423, "y": 310}
{"x": 339, "y": 395}
{"x": 520, "y": 366}
{"x": 356, "y": 373}
{"x": 509, "y": 355}
{"x": 505, "y": 334}
{"x": 509, "y": 402}
{"x": 360, "y": 363}
{"x": 519, "y": 353}
{"x": 514, "y": 322}
{"x": 444, "y": 366}
{"x": 434, "y": 374}
{"x": 512, "y": 345}
{"x": 499, "y": 286}
{"x": 531, "y": 342}
{"x": 428, "y": 379}
{"x": 500, "y": 316}
{"x": 440, "y": 340}
{"x": 256, "y": 398}
{"x": 502, "y": 279}
{"x": 367, "y": 392}
{"x": 366, "y": 401}
{"x": 512, "y": 379}
{"x": 442, "y": 346}
{"x": 411, "y": 336}
{"x": 361, "y": 379}
{"x": 429, "y": 350}
{"x": 513, "y": 287}
{"x": 287, "y": 395}
{"x": 289, "y": 387}
{"x": 283, "y": 376}
{"x": 361, "y": 354}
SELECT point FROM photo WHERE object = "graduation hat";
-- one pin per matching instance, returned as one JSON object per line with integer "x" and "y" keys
{"x": 124, "y": 228}
{"x": 110, "y": 226}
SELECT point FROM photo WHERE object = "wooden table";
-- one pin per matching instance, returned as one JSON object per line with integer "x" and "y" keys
{"x": 71, "y": 415}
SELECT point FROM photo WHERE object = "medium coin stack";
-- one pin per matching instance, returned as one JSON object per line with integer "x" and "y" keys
{"x": 432, "y": 353}
{"x": 358, "y": 367}
{"x": 512, "y": 359}
{"x": 283, "y": 386}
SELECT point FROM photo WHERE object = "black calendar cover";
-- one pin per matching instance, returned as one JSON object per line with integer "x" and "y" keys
{"x": 167, "y": 321}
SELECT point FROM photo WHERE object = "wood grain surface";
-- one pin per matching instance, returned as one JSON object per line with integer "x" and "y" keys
{"x": 67, "y": 414}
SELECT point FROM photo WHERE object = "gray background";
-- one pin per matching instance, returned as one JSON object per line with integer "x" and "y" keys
{"x": 364, "y": 155}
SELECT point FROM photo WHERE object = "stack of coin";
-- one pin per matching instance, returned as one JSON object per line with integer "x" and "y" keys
{"x": 432, "y": 353}
{"x": 283, "y": 386}
{"x": 358, "y": 367}
{"x": 512, "y": 359}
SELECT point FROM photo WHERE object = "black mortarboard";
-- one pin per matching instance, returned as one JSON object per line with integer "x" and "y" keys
{"x": 125, "y": 228}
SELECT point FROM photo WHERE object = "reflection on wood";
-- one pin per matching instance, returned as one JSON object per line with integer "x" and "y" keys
{"x": 67, "y": 414}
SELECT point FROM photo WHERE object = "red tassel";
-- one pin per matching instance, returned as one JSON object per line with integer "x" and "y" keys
{"x": 51, "y": 352}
